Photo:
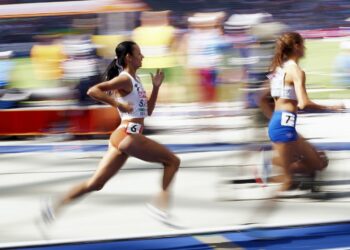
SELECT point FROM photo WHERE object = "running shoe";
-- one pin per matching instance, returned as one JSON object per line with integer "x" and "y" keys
{"x": 162, "y": 216}
{"x": 47, "y": 211}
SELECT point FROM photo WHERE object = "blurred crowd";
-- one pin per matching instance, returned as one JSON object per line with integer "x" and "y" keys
{"x": 207, "y": 53}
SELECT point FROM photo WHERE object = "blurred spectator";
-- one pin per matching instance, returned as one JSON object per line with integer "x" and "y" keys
{"x": 9, "y": 98}
{"x": 81, "y": 67}
{"x": 158, "y": 41}
{"x": 6, "y": 66}
{"x": 203, "y": 44}
{"x": 257, "y": 32}
{"x": 47, "y": 56}
{"x": 342, "y": 66}
{"x": 155, "y": 37}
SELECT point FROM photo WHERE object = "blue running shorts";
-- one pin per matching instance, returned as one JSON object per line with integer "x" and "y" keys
{"x": 282, "y": 127}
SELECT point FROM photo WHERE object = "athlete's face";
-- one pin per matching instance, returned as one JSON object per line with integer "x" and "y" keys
{"x": 300, "y": 49}
{"x": 136, "y": 57}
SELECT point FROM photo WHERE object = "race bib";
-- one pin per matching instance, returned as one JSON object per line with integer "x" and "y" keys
{"x": 133, "y": 128}
{"x": 288, "y": 119}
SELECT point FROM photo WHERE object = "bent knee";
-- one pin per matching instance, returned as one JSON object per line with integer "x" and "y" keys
{"x": 174, "y": 162}
{"x": 322, "y": 162}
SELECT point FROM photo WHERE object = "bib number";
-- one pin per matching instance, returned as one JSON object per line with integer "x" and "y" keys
{"x": 133, "y": 128}
{"x": 288, "y": 119}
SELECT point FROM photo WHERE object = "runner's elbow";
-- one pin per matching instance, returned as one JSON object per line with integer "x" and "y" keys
{"x": 302, "y": 105}
{"x": 91, "y": 91}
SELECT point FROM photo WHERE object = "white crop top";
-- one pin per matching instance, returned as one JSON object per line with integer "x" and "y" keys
{"x": 137, "y": 98}
{"x": 278, "y": 86}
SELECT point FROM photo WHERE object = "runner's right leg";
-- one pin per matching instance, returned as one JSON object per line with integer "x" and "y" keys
{"x": 111, "y": 162}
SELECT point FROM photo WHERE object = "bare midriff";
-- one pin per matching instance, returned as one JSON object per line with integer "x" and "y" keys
{"x": 135, "y": 120}
{"x": 286, "y": 105}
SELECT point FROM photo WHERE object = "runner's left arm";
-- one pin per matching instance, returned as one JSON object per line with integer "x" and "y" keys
{"x": 157, "y": 81}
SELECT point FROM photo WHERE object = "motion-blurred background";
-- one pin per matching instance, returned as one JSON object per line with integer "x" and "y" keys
{"x": 51, "y": 52}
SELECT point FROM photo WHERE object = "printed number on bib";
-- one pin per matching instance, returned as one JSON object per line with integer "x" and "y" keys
{"x": 133, "y": 128}
{"x": 288, "y": 119}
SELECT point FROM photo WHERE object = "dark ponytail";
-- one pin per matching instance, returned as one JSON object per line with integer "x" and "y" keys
{"x": 118, "y": 63}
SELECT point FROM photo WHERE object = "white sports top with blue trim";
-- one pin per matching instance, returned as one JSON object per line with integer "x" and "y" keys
{"x": 278, "y": 86}
{"x": 137, "y": 98}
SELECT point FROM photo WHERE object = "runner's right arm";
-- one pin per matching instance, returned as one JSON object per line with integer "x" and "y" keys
{"x": 119, "y": 83}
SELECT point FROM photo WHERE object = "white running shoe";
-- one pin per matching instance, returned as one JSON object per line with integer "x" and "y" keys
{"x": 47, "y": 211}
{"x": 292, "y": 193}
{"x": 162, "y": 216}
{"x": 46, "y": 218}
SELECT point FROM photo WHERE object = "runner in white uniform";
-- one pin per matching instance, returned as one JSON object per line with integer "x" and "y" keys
{"x": 127, "y": 94}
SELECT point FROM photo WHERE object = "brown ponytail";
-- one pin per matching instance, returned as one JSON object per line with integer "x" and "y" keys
{"x": 285, "y": 48}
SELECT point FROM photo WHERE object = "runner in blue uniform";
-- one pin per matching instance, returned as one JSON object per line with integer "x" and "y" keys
{"x": 287, "y": 87}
